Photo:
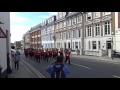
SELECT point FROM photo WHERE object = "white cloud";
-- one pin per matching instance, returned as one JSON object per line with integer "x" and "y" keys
{"x": 47, "y": 16}
{"x": 16, "y": 18}
{"x": 17, "y": 32}
{"x": 53, "y": 13}
{"x": 43, "y": 17}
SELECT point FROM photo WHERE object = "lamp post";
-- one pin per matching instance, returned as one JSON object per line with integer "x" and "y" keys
{"x": 0, "y": 61}
{"x": 112, "y": 46}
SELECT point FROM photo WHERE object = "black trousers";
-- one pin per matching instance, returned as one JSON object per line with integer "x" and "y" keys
{"x": 46, "y": 57}
{"x": 67, "y": 59}
{"x": 17, "y": 65}
{"x": 38, "y": 59}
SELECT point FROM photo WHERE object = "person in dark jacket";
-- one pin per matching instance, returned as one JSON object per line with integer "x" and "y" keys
{"x": 9, "y": 70}
{"x": 58, "y": 64}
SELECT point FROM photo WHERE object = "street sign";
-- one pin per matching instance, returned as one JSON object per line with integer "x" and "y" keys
{"x": 2, "y": 34}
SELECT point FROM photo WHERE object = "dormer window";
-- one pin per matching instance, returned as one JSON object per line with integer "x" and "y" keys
{"x": 88, "y": 16}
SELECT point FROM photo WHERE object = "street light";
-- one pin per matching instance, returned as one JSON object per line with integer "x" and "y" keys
{"x": 112, "y": 46}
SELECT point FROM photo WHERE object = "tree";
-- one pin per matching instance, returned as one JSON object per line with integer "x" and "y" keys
{"x": 13, "y": 47}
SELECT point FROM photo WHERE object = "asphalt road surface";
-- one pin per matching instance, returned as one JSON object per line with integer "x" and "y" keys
{"x": 79, "y": 68}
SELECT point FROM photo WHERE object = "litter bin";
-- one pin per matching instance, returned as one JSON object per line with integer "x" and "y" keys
{"x": 0, "y": 72}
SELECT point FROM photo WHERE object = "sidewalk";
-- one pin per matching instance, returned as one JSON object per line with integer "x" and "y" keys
{"x": 22, "y": 72}
{"x": 104, "y": 58}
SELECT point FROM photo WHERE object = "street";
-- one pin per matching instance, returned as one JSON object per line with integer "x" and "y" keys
{"x": 79, "y": 68}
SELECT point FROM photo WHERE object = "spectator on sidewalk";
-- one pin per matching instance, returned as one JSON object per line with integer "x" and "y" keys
{"x": 57, "y": 69}
{"x": 17, "y": 59}
{"x": 12, "y": 54}
{"x": 9, "y": 70}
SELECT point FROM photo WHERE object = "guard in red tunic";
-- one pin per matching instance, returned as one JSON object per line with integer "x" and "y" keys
{"x": 26, "y": 52}
{"x": 53, "y": 54}
{"x": 46, "y": 55}
{"x": 67, "y": 55}
{"x": 42, "y": 54}
{"x": 37, "y": 57}
{"x": 50, "y": 54}
{"x": 39, "y": 52}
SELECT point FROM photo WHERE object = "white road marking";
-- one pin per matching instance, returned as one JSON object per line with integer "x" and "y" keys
{"x": 116, "y": 76}
{"x": 81, "y": 65}
{"x": 35, "y": 70}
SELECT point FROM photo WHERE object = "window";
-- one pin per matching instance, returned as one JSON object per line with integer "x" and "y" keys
{"x": 38, "y": 38}
{"x": 50, "y": 37}
{"x": 89, "y": 45}
{"x": 69, "y": 34}
{"x": 69, "y": 22}
{"x": 88, "y": 16}
{"x": 96, "y": 14}
{"x": 61, "y": 24}
{"x": 79, "y": 18}
{"x": 60, "y": 35}
{"x": 57, "y": 17}
{"x": 97, "y": 29}
{"x": 64, "y": 13}
{"x": 64, "y": 23}
{"x": 106, "y": 13}
{"x": 73, "y": 45}
{"x": 79, "y": 32}
{"x": 89, "y": 30}
{"x": 107, "y": 28}
{"x": 99, "y": 45}
{"x": 64, "y": 35}
{"x": 57, "y": 26}
{"x": 74, "y": 20}
{"x": 94, "y": 44}
{"x": 74, "y": 33}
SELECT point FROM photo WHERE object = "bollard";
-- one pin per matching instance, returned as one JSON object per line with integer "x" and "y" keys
{"x": 0, "y": 72}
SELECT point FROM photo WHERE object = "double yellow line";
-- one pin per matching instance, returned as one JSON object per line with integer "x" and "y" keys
{"x": 32, "y": 68}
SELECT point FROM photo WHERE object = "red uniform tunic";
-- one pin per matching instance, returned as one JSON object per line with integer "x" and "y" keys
{"x": 50, "y": 53}
{"x": 46, "y": 53}
{"x": 67, "y": 54}
{"x": 37, "y": 55}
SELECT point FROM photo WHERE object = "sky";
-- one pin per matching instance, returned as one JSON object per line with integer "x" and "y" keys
{"x": 21, "y": 22}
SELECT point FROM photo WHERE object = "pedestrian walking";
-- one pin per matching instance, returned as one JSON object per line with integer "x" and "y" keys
{"x": 17, "y": 59}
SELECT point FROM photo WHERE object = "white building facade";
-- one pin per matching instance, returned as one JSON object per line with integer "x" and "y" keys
{"x": 47, "y": 33}
{"x": 5, "y": 46}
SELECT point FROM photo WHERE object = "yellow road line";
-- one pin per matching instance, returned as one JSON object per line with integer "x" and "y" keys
{"x": 35, "y": 70}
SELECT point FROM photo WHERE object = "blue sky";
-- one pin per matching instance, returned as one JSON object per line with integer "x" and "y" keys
{"x": 21, "y": 22}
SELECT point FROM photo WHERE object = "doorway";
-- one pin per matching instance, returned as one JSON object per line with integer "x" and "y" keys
{"x": 65, "y": 45}
{"x": 108, "y": 46}
{"x": 68, "y": 44}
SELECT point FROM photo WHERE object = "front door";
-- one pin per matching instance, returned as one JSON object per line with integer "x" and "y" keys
{"x": 108, "y": 44}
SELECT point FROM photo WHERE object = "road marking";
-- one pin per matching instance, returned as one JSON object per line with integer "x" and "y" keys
{"x": 116, "y": 76}
{"x": 81, "y": 65}
{"x": 35, "y": 70}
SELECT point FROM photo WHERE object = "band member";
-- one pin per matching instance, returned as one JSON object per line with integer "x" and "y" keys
{"x": 26, "y": 52}
{"x": 67, "y": 55}
{"x": 37, "y": 57}
{"x": 50, "y": 54}
{"x": 46, "y": 54}
{"x": 42, "y": 54}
